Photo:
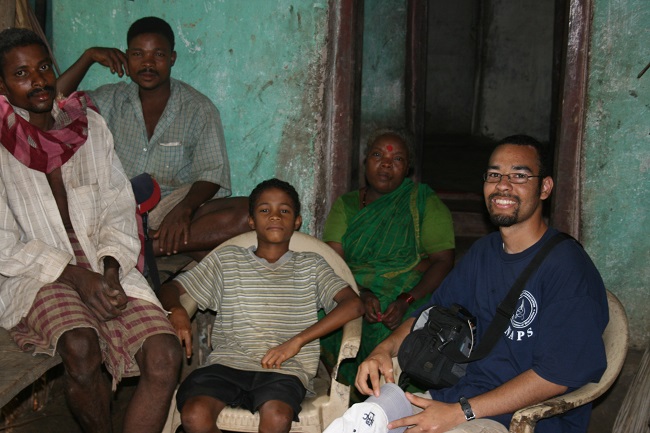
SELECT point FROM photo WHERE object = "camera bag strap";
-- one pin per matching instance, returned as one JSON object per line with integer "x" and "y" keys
{"x": 507, "y": 307}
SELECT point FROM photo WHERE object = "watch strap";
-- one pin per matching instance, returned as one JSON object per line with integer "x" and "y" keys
{"x": 467, "y": 409}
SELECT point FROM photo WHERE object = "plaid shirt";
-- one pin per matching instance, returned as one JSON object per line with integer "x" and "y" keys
{"x": 187, "y": 145}
{"x": 34, "y": 245}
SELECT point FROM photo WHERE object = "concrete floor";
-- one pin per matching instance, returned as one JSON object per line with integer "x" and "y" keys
{"x": 54, "y": 417}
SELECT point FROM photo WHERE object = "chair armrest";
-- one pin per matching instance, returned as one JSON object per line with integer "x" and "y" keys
{"x": 350, "y": 343}
{"x": 339, "y": 394}
{"x": 524, "y": 420}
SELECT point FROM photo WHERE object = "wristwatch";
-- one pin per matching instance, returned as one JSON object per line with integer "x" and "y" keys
{"x": 467, "y": 409}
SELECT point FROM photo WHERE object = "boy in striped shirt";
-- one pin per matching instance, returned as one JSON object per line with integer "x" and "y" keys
{"x": 265, "y": 336}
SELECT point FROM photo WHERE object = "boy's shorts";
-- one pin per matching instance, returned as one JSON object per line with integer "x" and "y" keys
{"x": 240, "y": 388}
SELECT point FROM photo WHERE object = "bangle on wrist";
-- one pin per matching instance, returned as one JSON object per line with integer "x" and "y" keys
{"x": 467, "y": 409}
{"x": 406, "y": 297}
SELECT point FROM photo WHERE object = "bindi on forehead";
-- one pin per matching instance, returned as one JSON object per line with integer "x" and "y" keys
{"x": 390, "y": 147}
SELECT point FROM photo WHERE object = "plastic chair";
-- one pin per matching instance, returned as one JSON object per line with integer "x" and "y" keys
{"x": 616, "y": 338}
{"x": 332, "y": 398}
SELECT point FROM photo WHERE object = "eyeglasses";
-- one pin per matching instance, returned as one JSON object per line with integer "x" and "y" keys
{"x": 517, "y": 178}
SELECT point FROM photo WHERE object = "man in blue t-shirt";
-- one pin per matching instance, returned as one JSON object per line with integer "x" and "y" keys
{"x": 553, "y": 343}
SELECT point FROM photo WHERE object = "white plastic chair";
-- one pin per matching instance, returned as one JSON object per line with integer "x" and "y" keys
{"x": 332, "y": 398}
{"x": 616, "y": 339}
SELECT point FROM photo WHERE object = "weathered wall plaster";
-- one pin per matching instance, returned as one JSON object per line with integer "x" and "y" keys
{"x": 616, "y": 174}
{"x": 261, "y": 62}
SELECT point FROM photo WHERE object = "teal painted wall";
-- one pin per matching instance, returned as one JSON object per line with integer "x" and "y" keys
{"x": 261, "y": 62}
{"x": 616, "y": 177}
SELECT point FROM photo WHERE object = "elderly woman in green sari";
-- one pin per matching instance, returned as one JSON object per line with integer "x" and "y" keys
{"x": 397, "y": 238}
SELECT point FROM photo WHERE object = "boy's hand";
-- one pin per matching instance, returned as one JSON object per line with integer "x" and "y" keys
{"x": 180, "y": 320}
{"x": 276, "y": 356}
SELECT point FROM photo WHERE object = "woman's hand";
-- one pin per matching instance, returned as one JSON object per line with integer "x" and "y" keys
{"x": 394, "y": 313}
{"x": 371, "y": 304}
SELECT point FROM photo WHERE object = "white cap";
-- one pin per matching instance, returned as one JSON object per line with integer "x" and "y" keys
{"x": 374, "y": 414}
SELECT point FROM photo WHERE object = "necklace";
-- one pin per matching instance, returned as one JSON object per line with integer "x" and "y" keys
{"x": 363, "y": 198}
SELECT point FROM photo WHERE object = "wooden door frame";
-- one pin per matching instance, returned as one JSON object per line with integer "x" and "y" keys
{"x": 566, "y": 206}
{"x": 338, "y": 153}
{"x": 416, "y": 76}
{"x": 566, "y": 203}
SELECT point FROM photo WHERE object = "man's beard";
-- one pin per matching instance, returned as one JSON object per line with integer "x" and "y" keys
{"x": 503, "y": 220}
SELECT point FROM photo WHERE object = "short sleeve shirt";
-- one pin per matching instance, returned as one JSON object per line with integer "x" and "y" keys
{"x": 187, "y": 145}
{"x": 260, "y": 305}
{"x": 556, "y": 329}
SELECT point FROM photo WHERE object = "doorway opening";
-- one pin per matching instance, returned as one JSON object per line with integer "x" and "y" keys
{"x": 492, "y": 71}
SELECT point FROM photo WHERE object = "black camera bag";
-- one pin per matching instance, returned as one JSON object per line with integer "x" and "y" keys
{"x": 439, "y": 334}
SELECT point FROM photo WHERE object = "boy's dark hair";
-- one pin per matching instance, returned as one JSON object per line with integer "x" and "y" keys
{"x": 151, "y": 25}
{"x": 526, "y": 140}
{"x": 15, "y": 37}
{"x": 277, "y": 184}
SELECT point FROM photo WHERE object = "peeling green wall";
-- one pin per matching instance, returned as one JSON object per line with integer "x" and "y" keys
{"x": 616, "y": 177}
{"x": 261, "y": 62}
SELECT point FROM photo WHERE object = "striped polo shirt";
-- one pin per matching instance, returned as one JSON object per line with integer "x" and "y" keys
{"x": 261, "y": 305}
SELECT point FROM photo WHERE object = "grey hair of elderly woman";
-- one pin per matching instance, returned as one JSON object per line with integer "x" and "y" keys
{"x": 404, "y": 135}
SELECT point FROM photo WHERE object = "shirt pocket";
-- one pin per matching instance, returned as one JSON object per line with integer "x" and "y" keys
{"x": 168, "y": 161}
{"x": 84, "y": 207}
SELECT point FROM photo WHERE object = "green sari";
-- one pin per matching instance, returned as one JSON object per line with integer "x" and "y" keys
{"x": 382, "y": 249}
